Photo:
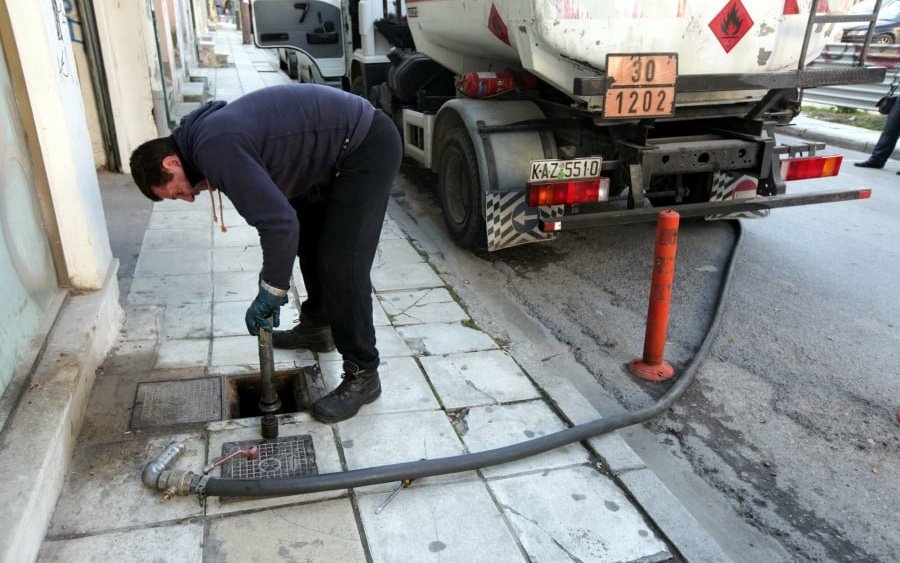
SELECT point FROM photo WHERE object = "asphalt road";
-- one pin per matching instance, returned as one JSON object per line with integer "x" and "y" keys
{"x": 786, "y": 446}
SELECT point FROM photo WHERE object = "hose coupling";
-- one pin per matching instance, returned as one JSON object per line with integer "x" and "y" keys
{"x": 181, "y": 483}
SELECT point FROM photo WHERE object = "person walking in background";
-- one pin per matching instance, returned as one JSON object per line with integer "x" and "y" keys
{"x": 311, "y": 167}
{"x": 888, "y": 138}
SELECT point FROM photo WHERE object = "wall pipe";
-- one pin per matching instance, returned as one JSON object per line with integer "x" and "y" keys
{"x": 188, "y": 482}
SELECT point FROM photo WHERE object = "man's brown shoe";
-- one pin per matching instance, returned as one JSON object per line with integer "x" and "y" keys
{"x": 307, "y": 334}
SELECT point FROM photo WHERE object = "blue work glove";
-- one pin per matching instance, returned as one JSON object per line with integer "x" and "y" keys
{"x": 267, "y": 304}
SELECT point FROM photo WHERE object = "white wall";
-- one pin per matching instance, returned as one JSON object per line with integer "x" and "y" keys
{"x": 51, "y": 80}
{"x": 132, "y": 69}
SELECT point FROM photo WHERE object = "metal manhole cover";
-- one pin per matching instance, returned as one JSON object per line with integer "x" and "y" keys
{"x": 164, "y": 403}
{"x": 286, "y": 456}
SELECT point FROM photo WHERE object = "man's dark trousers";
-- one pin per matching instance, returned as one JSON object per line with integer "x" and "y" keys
{"x": 338, "y": 237}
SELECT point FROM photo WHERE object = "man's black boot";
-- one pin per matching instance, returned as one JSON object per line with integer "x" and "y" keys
{"x": 359, "y": 386}
{"x": 869, "y": 164}
{"x": 307, "y": 334}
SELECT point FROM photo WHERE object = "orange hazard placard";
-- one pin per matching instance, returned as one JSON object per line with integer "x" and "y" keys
{"x": 640, "y": 85}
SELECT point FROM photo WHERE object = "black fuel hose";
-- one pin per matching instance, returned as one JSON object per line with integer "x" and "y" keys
{"x": 283, "y": 486}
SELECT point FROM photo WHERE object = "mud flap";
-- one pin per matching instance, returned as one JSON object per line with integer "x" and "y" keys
{"x": 728, "y": 186}
{"x": 510, "y": 222}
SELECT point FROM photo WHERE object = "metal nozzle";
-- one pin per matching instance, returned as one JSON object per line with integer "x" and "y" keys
{"x": 154, "y": 468}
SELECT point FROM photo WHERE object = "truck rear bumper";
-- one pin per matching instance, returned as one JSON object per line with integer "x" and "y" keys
{"x": 649, "y": 214}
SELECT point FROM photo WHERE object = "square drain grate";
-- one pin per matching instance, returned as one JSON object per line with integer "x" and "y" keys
{"x": 286, "y": 456}
{"x": 165, "y": 403}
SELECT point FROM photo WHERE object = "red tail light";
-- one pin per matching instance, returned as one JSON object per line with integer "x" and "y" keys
{"x": 568, "y": 193}
{"x": 811, "y": 167}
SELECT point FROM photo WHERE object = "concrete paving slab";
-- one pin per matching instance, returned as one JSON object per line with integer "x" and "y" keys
{"x": 403, "y": 385}
{"x": 379, "y": 317}
{"x": 396, "y": 253}
{"x": 239, "y": 235}
{"x": 391, "y": 231}
{"x": 389, "y": 342}
{"x": 322, "y": 531}
{"x": 173, "y": 261}
{"x": 237, "y": 259}
{"x": 445, "y": 338}
{"x": 576, "y": 514}
{"x": 133, "y": 356}
{"x": 616, "y": 454}
{"x": 243, "y": 352}
{"x": 181, "y": 239}
{"x": 485, "y": 428}
{"x": 142, "y": 322}
{"x": 477, "y": 378}
{"x": 422, "y": 306}
{"x": 182, "y": 352}
{"x": 411, "y": 276}
{"x": 326, "y": 457}
{"x": 170, "y": 290}
{"x": 432, "y": 523}
{"x": 170, "y": 215}
{"x": 228, "y": 318}
{"x": 235, "y": 286}
{"x": 382, "y": 439}
{"x": 104, "y": 492}
{"x": 188, "y": 320}
{"x": 178, "y": 543}
{"x": 693, "y": 541}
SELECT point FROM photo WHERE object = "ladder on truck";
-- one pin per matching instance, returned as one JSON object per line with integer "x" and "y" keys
{"x": 816, "y": 18}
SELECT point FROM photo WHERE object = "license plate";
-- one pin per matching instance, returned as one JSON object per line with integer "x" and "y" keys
{"x": 574, "y": 169}
{"x": 640, "y": 85}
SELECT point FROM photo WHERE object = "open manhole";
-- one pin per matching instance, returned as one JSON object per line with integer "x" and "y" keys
{"x": 296, "y": 388}
{"x": 165, "y": 403}
{"x": 287, "y": 456}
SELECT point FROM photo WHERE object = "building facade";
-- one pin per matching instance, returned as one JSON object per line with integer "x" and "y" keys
{"x": 82, "y": 83}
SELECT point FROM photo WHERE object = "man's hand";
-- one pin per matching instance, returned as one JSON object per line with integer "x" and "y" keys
{"x": 267, "y": 304}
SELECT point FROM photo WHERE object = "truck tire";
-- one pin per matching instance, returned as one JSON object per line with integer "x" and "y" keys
{"x": 459, "y": 189}
{"x": 293, "y": 67}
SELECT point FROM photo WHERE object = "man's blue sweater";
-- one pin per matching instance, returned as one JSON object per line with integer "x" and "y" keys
{"x": 268, "y": 147}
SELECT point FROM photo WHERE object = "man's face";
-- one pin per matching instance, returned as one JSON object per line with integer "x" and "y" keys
{"x": 178, "y": 187}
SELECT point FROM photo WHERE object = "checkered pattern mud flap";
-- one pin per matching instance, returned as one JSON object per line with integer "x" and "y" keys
{"x": 510, "y": 222}
{"x": 730, "y": 186}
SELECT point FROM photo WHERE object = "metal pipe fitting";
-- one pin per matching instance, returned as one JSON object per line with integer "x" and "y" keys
{"x": 154, "y": 468}
{"x": 180, "y": 482}
{"x": 269, "y": 402}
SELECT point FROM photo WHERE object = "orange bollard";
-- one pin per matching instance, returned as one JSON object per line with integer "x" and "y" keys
{"x": 653, "y": 366}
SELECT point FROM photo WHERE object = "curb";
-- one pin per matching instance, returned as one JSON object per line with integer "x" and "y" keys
{"x": 835, "y": 135}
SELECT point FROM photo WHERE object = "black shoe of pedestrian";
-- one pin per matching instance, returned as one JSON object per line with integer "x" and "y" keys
{"x": 869, "y": 164}
{"x": 359, "y": 387}
{"x": 307, "y": 334}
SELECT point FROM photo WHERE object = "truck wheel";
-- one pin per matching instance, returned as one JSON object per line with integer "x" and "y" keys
{"x": 293, "y": 70}
{"x": 358, "y": 87}
{"x": 459, "y": 189}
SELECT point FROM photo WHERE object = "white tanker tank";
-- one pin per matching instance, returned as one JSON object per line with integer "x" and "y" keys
{"x": 558, "y": 40}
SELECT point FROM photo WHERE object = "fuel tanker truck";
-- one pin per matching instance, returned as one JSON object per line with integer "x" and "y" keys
{"x": 541, "y": 116}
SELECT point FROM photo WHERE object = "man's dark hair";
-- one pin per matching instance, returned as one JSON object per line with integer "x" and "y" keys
{"x": 146, "y": 164}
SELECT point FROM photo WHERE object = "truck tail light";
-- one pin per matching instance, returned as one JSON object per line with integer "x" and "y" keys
{"x": 570, "y": 192}
{"x": 810, "y": 167}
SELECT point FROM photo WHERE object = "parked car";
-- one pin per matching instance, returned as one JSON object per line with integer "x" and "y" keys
{"x": 887, "y": 28}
